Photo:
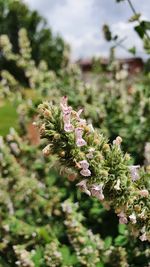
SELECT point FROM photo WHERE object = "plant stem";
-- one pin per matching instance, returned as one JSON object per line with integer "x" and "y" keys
{"x": 135, "y": 13}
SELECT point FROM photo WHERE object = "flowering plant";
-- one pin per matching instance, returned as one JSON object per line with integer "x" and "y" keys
{"x": 104, "y": 171}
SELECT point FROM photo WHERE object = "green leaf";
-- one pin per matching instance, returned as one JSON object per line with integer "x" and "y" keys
{"x": 3, "y": 263}
{"x": 142, "y": 27}
{"x": 122, "y": 228}
{"x": 107, "y": 33}
{"x": 132, "y": 50}
{"x": 120, "y": 240}
{"x": 68, "y": 258}
{"x": 44, "y": 234}
{"x": 20, "y": 213}
{"x": 38, "y": 257}
{"x": 139, "y": 31}
{"x": 108, "y": 242}
{"x": 145, "y": 24}
{"x": 99, "y": 264}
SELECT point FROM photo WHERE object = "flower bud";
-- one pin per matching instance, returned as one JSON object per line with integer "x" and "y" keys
{"x": 42, "y": 129}
{"x": 106, "y": 147}
{"x": 62, "y": 154}
{"x": 46, "y": 150}
{"x": 47, "y": 113}
{"x": 56, "y": 136}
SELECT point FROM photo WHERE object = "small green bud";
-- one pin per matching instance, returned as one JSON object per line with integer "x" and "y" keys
{"x": 56, "y": 136}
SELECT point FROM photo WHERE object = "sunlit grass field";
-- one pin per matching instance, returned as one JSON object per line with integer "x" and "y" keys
{"x": 8, "y": 117}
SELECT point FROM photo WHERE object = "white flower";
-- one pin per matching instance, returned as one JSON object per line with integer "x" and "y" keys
{"x": 117, "y": 185}
{"x": 132, "y": 218}
{"x": 143, "y": 237}
{"x": 66, "y": 207}
{"x": 117, "y": 141}
{"x": 91, "y": 127}
{"x": 90, "y": 155}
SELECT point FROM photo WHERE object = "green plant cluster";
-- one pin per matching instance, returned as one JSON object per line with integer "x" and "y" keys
{"x": 103, "y": 169}
{"x": 41, "y": 222}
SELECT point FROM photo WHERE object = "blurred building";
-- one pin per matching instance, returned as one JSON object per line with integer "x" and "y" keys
{"x": 132, "y": 65}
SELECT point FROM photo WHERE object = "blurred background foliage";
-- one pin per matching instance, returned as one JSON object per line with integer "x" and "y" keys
{"x": 15, "y": 15}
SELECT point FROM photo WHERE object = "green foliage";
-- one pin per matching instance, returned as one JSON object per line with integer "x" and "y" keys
{"x": 132, "y": 50}
{"x": 142, "y": 28}
{"x": 107, "y": 32}
{"x": 15, "y": 15}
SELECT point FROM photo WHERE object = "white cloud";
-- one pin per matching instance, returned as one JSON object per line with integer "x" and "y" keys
{"x": 80, "y": 23}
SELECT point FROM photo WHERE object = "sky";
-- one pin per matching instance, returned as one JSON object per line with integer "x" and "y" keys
{"x": 80, "y": 23}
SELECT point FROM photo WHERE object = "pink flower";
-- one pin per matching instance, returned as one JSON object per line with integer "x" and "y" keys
{"x": 134, "y": 172}
{"x": 85, "y": 172}
{"x": 82, "y": 122}
{"x": 64, "y": 102}
{"x": 85, "y": 165}
{"x": 68, "y": 127}
{"x": 97, "y": 191}
{"x": 80, "y": 142}
{"x": 83, "y": 187}
{"x": 144, "y": 193}
{"x": 78, "y": 135}
{"x": 122, "y": 218}
{"x": 64, "y": 105}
